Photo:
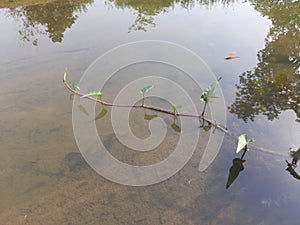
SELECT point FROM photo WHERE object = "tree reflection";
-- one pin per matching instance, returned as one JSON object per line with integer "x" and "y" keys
{"x": 51, "y": 19}
{"x": 273, "y": 85}
{"x": 146, "y": 10}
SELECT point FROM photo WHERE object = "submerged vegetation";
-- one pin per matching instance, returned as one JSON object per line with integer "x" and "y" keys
{"x": 243, "y": 141}
{"x": 206, "y": 96}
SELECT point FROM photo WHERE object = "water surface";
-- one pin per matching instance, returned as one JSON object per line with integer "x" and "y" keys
{"x": 42, "y": 175}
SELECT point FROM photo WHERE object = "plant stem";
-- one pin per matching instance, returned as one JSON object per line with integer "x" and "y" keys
{"x": 216, "y": 125}
{"x": 245, "y": 150}
{"x": 204, "y": 109}
{"x": 143, "y": 100}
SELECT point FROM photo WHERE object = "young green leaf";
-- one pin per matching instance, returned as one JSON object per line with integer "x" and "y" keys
{"x": 295, "y": 152}
{"x": 251, "y": 140}
{"x": 97, "y": 94}
{"x": 75, "y": 86}
{"x": 208, "y": 92}
{"x": 146, "y": 89}
{"x": 175, "y": 107}
{"x": 243, "y": 142}
{"x": 65, "y": 76}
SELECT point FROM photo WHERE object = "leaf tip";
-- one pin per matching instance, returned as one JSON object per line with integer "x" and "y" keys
{"x": 65, "y": 76}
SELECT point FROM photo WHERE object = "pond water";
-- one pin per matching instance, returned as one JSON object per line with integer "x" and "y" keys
{"x": 45, "y": 180}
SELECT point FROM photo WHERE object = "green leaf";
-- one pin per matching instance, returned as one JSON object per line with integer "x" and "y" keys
{"x": 175, "y": 107}
{"x": 97, "y": 94}
{"x": 65, "y": 76}
{"x": 295, "y": 152}
{"x": 75, "y": 86}
{"x": 251, "y": 140}
{"x": 208, "y": 92}
{"x": 146, "y": 89}
{"x": 242, "y": 142}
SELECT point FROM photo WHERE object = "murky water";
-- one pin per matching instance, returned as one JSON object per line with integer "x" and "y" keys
{"x": 44, "y": 179}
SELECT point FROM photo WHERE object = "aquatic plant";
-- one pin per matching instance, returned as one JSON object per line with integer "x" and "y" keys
{"x": 243, "y": 144}
{"x": 97, "y": 94}
{"x": 174, "y": 108}
{"x": 75, "y": 86}
{"x": 208, "y": 94}
{"x": 206, "y": 97}
{"x": 144, "y": 90}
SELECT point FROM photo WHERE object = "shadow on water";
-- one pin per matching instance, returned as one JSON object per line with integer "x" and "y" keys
{"x": 238, "y": 166}
{"x": 234, "y": 171}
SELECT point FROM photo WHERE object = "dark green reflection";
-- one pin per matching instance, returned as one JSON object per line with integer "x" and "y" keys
{"x": 50, "y": 19}
{"x": 53, "y": 17}
{"x": 273, "y": 85}
{"x": 146, "y": 10}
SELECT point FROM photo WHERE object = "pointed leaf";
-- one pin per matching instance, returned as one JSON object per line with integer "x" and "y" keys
{"x": 65, "y": 76}
{"x": 208, "y": 92}
{"x": 146, "y": 89}
{"x": 175, "y": 107}
{"x": 295, "y": 152}
{"x": 251, "y": 140}
{"x": 75, "y": 86}
{"x": 97, "y": 94}
{"x": 242, "y": 142}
